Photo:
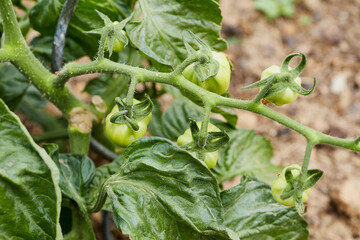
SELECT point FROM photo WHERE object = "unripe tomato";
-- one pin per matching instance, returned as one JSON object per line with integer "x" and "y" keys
{"x": 284, "y": 96}
{"x": 118, "y": 45}
{"x": 218, "y": 84}
{"x": 210, "y": 157}
{"x": 279, "y": 185}
{"x": 123, "y": 135}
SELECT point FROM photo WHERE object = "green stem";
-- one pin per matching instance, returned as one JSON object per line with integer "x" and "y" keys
{"x": 265, "y": 90}
{"x": 4, "y": 56}
{"x": 101, "y": 50}
{"x": 131, "y": 91}
{"x": 79, "y": 141}
{"x": 204, "y": 125}
{"x": 21, "y": 56}
{"x": 306, "y": 161}
{"x": 52, "y": 135}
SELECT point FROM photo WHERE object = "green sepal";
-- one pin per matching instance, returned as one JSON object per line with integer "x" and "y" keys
{"x": 131, "y": 114}
{"x": 203, "y": 47}
{"x": 205, "y": 71}
{"x": 260, "y": 83}
{"x": 215, "y": 140}
{"x": 299, "y": 205}
{"x": 289, "y": 176}
{"x": 313, "y": 175}
{"x": 112, "y": 31}
{"x": 194, "y": 130}
{"x": 299, "y": 68}
{"x": 296, "y": 88}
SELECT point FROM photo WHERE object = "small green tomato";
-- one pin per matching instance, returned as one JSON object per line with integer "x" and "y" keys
{"x": 279, "y": 185}
{"x": 218, "y": 84}
{"x": 210, "y": 157}
{"x": 285, "y": 96}
{"x": 121, "y": 134}
{"x": 118, "y": 45}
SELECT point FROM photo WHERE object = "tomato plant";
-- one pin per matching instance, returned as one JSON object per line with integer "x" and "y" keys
{"x": 154, "y": 188}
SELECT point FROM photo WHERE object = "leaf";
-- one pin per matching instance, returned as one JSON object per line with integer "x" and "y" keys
{"x": 29, "y": 191}
{"x": 252, "y": 212}
{"x": 162, "y": 192}
{"x": 41, "y": 46}
{"x": 13, "y": 85}
{"x": 245, "y": 153}
{"x": 76, "y": 173}
{"x": 155, "y": 124}
{"x": 227, "y": 113}
{"x": 44, "y": 16}
{"x": 159, "y": 33}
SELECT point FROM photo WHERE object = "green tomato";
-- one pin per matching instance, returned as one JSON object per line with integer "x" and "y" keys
{"x": 279, "y": 185}
{"x": 286, "y": 95}
{"x": 218, "y": 84}
{"x": 118, "y": 45}
{"x": 210, "y": 157}
{"x": 123, "y": 135}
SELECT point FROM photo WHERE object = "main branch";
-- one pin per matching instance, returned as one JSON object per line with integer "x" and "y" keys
{"x": 176, "y": 79}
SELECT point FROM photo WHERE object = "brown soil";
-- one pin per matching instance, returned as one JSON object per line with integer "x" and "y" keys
{"x": 331, "y": 43}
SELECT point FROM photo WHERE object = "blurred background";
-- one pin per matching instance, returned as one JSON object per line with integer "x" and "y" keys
{"x": 262, "y": 33}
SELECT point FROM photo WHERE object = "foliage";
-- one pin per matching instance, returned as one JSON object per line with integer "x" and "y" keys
{"x": 155, "y": 188}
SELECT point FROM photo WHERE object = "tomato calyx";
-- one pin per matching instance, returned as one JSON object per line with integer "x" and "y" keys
{"x": 206, "y": 148}
{"x": 212, "y": 142}
{"x": 292, "y": 186}
{"x": 131, "y": 114}
{"x": 113, "y": 37}
{"x": 282, "y": 85}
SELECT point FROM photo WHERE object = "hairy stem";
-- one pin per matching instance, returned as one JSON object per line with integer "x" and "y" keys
{"x": 20, "y": 55}
{"x": 204, "y": 125}
{"x": 144, "y": 75}
{"x": 306, "y": 161}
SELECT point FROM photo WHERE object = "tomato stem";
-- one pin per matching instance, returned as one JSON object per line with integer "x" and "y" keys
{"x": 306, "y": 161}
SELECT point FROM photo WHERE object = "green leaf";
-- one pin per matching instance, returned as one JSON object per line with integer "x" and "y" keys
{"x": 13, "y": 85}
{"x": 252, "y": 212}
{"x": 44, "y": 16}
{"x": 76, "y": 173}
{"x": 29, "y": 191}
{"x": 229, "y": 114}
{"x": 313, "y": 175}
{"x": 155, "y": 124}
{"x": 162, "y": 192}
{"x": 159, "y": 33}
{"x": 245, "y": 154}
{"x": 41, "y": 46}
